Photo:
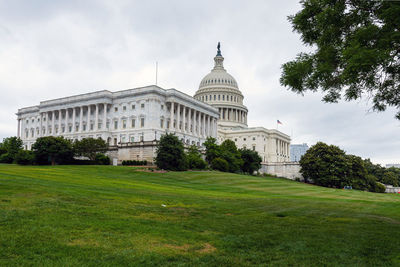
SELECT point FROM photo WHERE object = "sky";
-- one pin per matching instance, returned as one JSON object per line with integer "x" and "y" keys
{"x": 51, "y": 49}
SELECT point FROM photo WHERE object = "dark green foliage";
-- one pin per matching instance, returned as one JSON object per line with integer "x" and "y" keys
{"x": 102, "y": 159}
{"x": 25, "y": 157}
{"x": 6, "y": 158}
{"x": 357, "y": 51}
{"x": 194, "y": 159}
{"x": 231, "y": 154}
{"x": 212, "y": 149}
{"x": 324, "y": 165}
{"x": 10, "y": 148}
{"x": 330, "y": 166}
{"x": 251, "y": 160}
{"x": 52, "y": 150}
{"x": 134, "y": 162}
{"x": 90, "y": 147}
{"x": 390, "y": 178}
{"x": 220, "y": 164}
{"x": 170, "y": 153}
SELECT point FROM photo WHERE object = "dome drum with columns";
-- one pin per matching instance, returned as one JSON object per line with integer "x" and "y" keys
{"x": 220, "y": 89}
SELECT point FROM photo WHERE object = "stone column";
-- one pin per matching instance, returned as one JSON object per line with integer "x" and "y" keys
{"x": 73, "y": 119}
{"x": 204, "y": 125}
{"x": 178, "y": 116}
{"x": 53, "y": 113}
{"x": 19, "y": 129}
{"x": 96, "y": 122}
{"x": 194, "y": 122}
{"x": 80, "y": 119}
{"x": 88, "y": 119}
{"x": 184, "y": 119}
{"x": 208, "y": 125}
{"x": 59, "y": 122}
{"x": 189, "y": 120}
{"x": 105, "y": 117}
{"x": 47, "y": 123}
{"x": 171, "y": 120}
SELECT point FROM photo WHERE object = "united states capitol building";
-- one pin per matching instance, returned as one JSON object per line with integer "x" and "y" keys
{"x": 131, "y": 121}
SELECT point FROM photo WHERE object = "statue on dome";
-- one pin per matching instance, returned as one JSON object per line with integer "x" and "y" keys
{"x": 219, "y": 50}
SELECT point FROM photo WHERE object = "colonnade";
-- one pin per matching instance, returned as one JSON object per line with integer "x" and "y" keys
{"x": 51, "y": 122}
{"x": 233, "y": 114}
{"x": 184, "y": 119}
{"x": 282, "y": 148}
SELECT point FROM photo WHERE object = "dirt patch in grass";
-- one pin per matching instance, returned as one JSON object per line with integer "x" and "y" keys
{"x": 207, "y": 248}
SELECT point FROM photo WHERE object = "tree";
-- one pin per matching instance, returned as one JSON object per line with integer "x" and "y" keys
{"x": 230, "y": 153}
{"x": 90, "y": 147}
{"x": 251, "y": 160}
{"x": 356, "y": 175}
{"x": 194, "y": 159}
{"x": 25, "y": 157}
{"x": 52, "y": 150}
{"x": 357, "y": 51}
{"x": 390, "y": 178}
{"x": 325, "y": 165}
{"x": 170, "y": 153}
{"x": 220, "y": 164}
{"x": 11, "y": 146}
{"x": 212, "y": 149}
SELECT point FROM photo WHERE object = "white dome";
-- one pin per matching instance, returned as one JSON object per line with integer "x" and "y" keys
{"x": 220, "y": 89}
{"x": 217, "y": 78}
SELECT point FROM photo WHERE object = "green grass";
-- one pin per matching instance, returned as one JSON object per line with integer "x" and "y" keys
{"x": 108, "y": 216}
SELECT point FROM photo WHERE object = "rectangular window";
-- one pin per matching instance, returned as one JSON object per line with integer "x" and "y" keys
{"x": 215, "y": 97}
{"x": 161, "y": 123}
{"x": 167, "y": 124}
{"x": 26, "y": 134}
{"x": 133, "y": 123}
{"x": 162, "y": 107}
{"x": 124, "y": 124}
{"x": 77, "y": 128}
{"x": 142, "y": 122}
{"x": 115, "y": 109}
{"x": 115, "y": 125}
{"x": 254, "y": 148}
{"x": 132, "y": 139}
{"x": 223, "y": 97}
{"x": 84, "y": 127}
{"x": 69, "y": 128}
{"x": 219, "y": 97}
{"x": 124, "y": 108}
{"x": 63, "y": 129}
{"x": 99, "y": 125}
{"x": 254, "y": 138}
{"x": 91, "y": 126}
{"x": 107, "y": 125}
{"x": 142, "y": 105}
{"x": 133, "y": 106}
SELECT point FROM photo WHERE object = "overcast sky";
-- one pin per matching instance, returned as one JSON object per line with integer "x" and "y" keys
{"x": 51, "y": 49}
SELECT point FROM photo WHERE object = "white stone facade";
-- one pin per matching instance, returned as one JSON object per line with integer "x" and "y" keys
{"x": 129, "y": 118}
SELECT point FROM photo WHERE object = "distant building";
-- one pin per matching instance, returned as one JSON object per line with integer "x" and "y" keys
{"x": 297, "y": 151}
{"x": 393, "y": 165}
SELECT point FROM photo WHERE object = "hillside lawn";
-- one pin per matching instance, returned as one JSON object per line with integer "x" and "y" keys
{"x": 110, "y": 216}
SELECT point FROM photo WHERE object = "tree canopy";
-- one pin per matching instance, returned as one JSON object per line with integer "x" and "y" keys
{"x": 90, "y": 147}
{"x": 170, "y": 153}
{"x": 356, "y": 51}
{"x": 52, "y": 150}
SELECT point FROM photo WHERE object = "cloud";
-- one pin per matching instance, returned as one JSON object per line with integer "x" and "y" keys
{"x": 51, "y": 49}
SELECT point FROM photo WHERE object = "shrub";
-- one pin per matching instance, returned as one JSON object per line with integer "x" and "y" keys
{"x": 6, "y": 158}
{"x": 134, "y": 162}
{"x": 25, "y": 157}
{"x": 220, "y": 164}
{"x": 102, "y": 159}
{"x": 379, "y": 188}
